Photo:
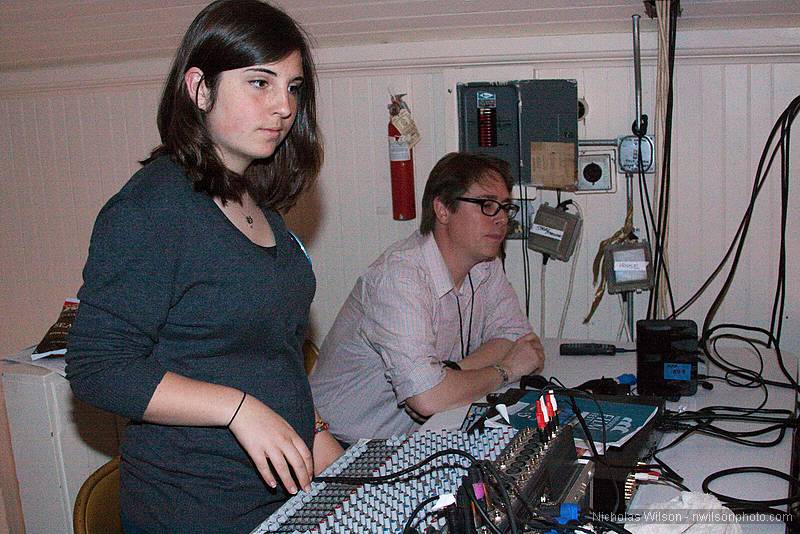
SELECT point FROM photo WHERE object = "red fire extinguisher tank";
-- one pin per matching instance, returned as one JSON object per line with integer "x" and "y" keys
{"x": 401, "y": 163}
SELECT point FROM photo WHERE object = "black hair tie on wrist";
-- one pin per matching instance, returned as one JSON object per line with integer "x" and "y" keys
{"x": 451, "y": 365}
{"x": 244, "y": 395}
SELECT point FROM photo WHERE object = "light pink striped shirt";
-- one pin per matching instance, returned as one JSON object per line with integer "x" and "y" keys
{"x": 398, "y": 324}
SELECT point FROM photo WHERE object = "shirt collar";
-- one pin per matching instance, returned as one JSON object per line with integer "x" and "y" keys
{"x": 442, "y": 282}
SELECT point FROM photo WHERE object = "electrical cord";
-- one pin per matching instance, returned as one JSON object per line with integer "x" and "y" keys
{"x": 660, "y": 227}
{"x": 780, "y": 290}
{"x": 542, "y": 296}
{"x": 705, "y": 418}
{"x": 573, "y": 269}
{"x": 669, "y": 483}
{"x": 656, "y": 244}
{"x": 596, "y": 457}
{"x": 755, "y": 377}
{"x": 397, "y": 474}
{"x": 669, "y": 473}
{"x": 479, "y": 507}
{"x": 526, "y": 268}
{"x": 743, "y": 224}
{"x": 784, "y": 124}
{"x": 708, "y": 334}
{"x": 751, "y": 502}
{"x": 781, "y": 129}
{"x": 503, "y": 495}
{"x": 407, "y": 529}
{"x": 623, "y": 323}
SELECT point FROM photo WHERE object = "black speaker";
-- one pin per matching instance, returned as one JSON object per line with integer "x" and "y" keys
{"x": 666, "y": 358}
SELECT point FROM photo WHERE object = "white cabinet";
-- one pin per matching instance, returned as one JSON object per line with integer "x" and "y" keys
{"x": 57, "y": 442}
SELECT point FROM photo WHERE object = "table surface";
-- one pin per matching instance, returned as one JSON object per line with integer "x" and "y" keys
{"x": 698, "y": 456}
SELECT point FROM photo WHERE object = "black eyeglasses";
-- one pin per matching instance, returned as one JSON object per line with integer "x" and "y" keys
{"x": 491, "y": 207}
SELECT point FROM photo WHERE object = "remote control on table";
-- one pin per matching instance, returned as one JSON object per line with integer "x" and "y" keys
{"x": 587, "y": 349}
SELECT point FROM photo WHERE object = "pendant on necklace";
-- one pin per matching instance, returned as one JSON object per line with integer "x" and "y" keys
{"x": 249, "y": 220}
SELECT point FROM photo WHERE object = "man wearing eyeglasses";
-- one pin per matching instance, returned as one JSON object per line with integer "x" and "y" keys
{"x": 434, "y": 323}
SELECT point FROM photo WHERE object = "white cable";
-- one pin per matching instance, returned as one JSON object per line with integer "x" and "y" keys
{"x": 571, "y": 274}
{"x": 623, "y": 324}
{"x": 541, "y": 300}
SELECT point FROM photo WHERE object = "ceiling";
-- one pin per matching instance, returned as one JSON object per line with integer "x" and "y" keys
{"x": 36, "y": 33}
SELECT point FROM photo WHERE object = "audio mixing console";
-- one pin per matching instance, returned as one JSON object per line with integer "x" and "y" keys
{"x": 538, "y": 470}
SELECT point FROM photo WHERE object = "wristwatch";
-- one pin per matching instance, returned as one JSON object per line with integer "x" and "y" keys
{"x": 503, "y": 373}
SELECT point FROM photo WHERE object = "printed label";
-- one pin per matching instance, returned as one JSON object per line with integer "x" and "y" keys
{"x": 398, "y": 150}
{"x": 546, "y": 231}
{"x": 405, "y": 124}
{"x": 486, "y": 99}
{"x": 639, "y": 266}
{"x": 678, "y": 371}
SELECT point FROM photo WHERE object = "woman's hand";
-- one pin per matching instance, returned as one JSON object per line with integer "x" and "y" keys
{"x": 267, "y": 437}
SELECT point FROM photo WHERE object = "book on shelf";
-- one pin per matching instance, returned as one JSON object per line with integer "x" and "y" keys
{"x": 54, "y": 342}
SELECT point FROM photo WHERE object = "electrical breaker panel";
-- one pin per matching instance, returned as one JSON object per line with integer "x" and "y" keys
{"x": 531, "y": 124}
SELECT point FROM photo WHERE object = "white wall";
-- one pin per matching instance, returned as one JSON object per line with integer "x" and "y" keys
{"x": 71, "y": 137}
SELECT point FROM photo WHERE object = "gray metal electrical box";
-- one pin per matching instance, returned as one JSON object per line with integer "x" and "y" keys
{"x": 628, "y": 267}
{"x": 531, "y": 124}
{"x": 554, "y": 232}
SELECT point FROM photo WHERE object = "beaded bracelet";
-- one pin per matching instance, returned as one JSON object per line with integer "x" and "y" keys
{"x": 320, "y": 426}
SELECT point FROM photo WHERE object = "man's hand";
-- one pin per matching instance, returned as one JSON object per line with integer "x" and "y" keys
{"x": 525, "y": 356}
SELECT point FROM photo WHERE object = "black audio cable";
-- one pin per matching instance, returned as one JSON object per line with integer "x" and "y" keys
{"x": 392, "y": 477}
{"x": 782, "y": 132}
{"x": 660, "y": 226}
{"x": 755, "y": 505}
{"x": 408, "y": 528}
{"x": 770, "y": 340}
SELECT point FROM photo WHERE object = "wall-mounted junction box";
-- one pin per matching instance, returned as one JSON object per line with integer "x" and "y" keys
{"x": 597, "y": 170}
{"x": 554, "y": 232}
{"x": 628, "y": 148}
{"x": 628, "y": 267}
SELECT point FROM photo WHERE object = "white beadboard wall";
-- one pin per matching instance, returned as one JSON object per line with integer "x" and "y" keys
{"x": 70, "y": 137}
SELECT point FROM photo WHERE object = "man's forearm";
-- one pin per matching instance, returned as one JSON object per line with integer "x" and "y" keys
{"x": 490, "y": 353}
{"x": 457, "y": 389}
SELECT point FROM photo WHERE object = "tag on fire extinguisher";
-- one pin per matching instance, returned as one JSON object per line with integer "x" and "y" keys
{"x": 403, "y": 122}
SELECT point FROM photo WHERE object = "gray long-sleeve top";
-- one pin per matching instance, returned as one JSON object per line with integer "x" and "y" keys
{"x": 171, "y": 285}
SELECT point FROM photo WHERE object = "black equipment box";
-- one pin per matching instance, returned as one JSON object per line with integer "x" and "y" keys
{"x": 666, "y": 358}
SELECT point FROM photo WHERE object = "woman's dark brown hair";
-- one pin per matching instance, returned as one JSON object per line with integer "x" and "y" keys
{"x": 227, "y": 35}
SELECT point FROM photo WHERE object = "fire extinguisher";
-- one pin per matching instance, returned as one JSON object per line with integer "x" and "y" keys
{"x": 401, "y": 162}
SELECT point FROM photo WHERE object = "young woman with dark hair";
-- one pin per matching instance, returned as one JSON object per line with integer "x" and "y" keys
{"x": 196, "y": 296}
